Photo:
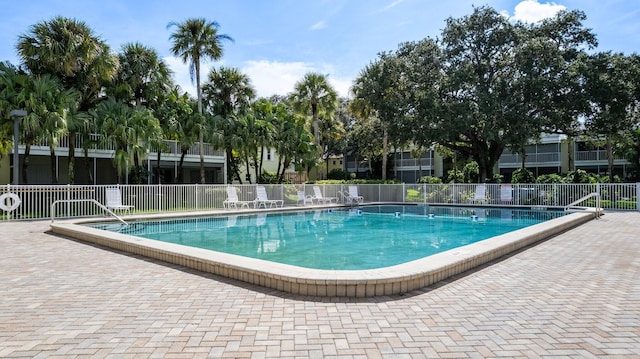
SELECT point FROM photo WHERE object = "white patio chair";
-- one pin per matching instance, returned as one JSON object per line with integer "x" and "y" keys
{"x": 114, "y": 201}
{"x": 304, "y": 198}
{"x": 263, "y": 200}
{"x": 233, "y": 201}
{"x": 319, "y": 198}
{"x": 352, "y": 196}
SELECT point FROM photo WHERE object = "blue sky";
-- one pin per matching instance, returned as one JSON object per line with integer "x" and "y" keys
{"x": 278, "y": 41}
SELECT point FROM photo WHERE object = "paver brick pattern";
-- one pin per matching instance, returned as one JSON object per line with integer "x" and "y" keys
{"x": 574, "y": 295}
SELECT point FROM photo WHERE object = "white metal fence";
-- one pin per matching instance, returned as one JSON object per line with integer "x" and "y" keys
{"x": 36, "y": 200}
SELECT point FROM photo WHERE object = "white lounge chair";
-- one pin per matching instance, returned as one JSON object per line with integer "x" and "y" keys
{"x": 114, "y": 201}
{"x": 319, "y": 198}
{"x": 263, "y": 200}
{"x": 233, "y": 201}
{"x": 304, "y": 198}
{"x": 352, "y": 196}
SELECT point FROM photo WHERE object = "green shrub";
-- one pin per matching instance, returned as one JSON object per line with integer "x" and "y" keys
{"x": 269, "y": 177}
{"x": 578, "y": 176}
{"x": 336, "y": 174}
{"x": 550, "y": 178}
{"x": 430, "y": 179}
{"x": 497, "y": 178}
{"x": 455, "y": 176}
{"x": 522, "y": 175}
{"x": 471, "y": 172}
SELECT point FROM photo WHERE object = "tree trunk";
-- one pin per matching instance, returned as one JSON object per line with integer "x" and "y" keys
{"x": 248, "y": 167}
{"x": 157, "y": 171}
{"x": 25, "y": 163}
{"x": 326, "y": 169}
{"x": 72, "y": 157}
{"x": 278, "y": 170}
{"x": 88, "y": 161}
{"x": 200, "y": 132}
{"x": 179, "y": 175}
{"x": 255, "y": 167}
{"x": 201, "y": 146}
{"x": 232, "y": 169}
{"x": 261, "y": 159}
{"x": 54, "y": 172}
{"x": 316, "y": 127}
{"x": 385, "y": 151}
{"x": 610, "y": 158}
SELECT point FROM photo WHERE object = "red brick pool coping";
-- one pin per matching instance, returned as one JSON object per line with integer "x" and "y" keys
{"x": 396, "y": 279}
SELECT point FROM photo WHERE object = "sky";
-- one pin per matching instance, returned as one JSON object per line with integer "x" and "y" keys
{"x": 276, "y": 42}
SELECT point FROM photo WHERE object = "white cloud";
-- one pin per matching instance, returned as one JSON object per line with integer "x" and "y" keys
{"x": 181, "y": 74}
{"x": 267, "y": 77}
{"x": 319, "y": 25}
{"x": 279, "y": 78}
{"x": 391, "y": 5}
{"x": 532, "y": 11}
{"x": 341, "y": 85}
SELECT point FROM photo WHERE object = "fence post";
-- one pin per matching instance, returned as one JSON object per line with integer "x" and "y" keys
{"x": 638, "y": 196}
{"x": 196, "y": 194}
{"x": 404, "y": 192}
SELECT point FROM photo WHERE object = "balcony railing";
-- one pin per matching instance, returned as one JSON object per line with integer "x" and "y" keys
{"x": 595, "y": 155}
{"x": 414, "y": 162}
{"x": 549, "y": 158}
{"x": 173, "y": 147}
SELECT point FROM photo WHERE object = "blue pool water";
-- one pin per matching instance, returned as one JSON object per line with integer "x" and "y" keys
{"x": 350, "y": 239}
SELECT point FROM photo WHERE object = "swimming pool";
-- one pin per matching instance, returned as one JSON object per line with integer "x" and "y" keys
{"x": 340, "y": 239}
{"x": 396, "y": 279}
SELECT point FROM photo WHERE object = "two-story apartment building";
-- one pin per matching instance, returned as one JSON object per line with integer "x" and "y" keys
{"x": 552, "y": 154}
{"x": 96, "y": 167}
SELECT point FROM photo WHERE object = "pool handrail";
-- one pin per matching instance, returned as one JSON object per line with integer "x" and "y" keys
{"x": 592, "y": 194}
{"x": 53, "y": 208}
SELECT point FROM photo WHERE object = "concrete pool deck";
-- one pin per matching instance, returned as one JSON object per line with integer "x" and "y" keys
{"x": 574, "y": 295}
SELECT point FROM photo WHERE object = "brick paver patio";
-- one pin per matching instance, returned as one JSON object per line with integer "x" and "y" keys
{"x": 575, "y": 295}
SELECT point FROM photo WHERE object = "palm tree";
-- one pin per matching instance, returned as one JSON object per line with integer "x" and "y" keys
{"x": 144, "y": 79}
{"x": 193, "y": 41}
{"x": 142, "y": 75}
{"x": 46, "y": 104}
{"x": 314, "y": 94}
{"x": 293, "y": 141}
{"x": 128, "y": 130}
{"x": 174, "y": 111}
{"x": 259, "y": 133}
{"x": 11, "y": 82}
{"x": 69, "y": 50}
{"x": 228, "y": 93}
